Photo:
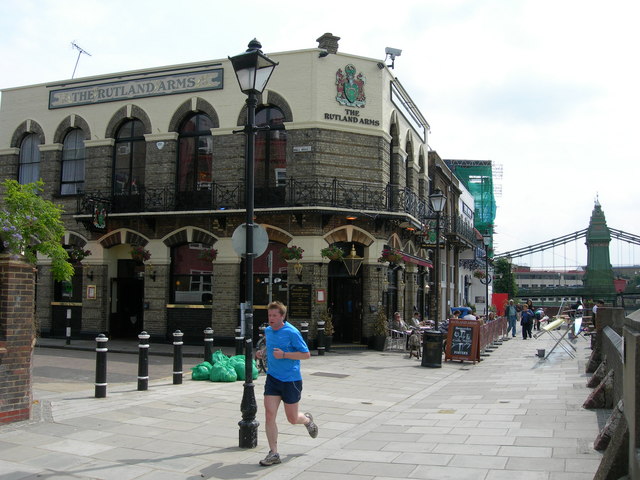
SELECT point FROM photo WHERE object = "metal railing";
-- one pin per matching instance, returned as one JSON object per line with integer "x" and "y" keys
{"x": 331, "y": 193}
{"x": 225, "y": 195}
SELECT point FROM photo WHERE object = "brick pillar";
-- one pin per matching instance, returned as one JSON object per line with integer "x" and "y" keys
{"x": 16, "y": 338}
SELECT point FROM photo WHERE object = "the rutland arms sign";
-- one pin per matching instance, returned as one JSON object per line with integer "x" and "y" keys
{"x": 144, "y": 87}
{"x": 350, "y": 93}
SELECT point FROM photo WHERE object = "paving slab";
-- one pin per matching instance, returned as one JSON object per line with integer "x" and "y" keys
{"x": 381, "y": 416}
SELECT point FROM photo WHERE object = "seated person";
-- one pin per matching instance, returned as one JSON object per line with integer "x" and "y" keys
{"x": 398, "y": 323}
{"x": 415, "y": 321}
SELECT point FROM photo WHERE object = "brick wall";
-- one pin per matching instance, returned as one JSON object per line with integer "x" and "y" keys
{"x": 16, "y": 337}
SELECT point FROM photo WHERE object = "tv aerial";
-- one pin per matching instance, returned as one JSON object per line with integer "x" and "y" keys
{"x": 80, "y": 52}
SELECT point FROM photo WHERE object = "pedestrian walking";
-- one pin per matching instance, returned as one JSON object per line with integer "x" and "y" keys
{"x": 285, "y": 348}
{"x": 526, "y": 320}
{"x": 512, "y": 317}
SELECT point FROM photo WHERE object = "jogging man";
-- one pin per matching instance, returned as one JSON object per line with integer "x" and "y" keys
{"x": 285, "y": 349}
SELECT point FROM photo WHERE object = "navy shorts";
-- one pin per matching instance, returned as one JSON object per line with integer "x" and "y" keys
{"x": 290, "y": 392}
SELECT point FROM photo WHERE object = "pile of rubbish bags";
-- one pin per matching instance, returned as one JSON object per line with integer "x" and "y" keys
{"x": 223, "y": 369}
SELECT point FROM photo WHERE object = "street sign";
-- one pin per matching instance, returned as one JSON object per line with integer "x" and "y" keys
{"x": 260, "y": 240}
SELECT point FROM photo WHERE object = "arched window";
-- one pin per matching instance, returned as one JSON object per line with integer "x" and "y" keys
{"x": 72, "y": 179}
{"x": 29, "y": 170}
{"x": 191, "y": 275}
{"x": 270, "y": 157}
{"x": 129, "y": 159}
{"x": 195, "y": 162}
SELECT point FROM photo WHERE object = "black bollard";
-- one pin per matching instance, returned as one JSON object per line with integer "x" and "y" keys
{"x": 177, "y": 357}
{"x": 320, "y": 337}
{"x": 208, "y": 344}
{"x": 143, "y": 361}
{"x": 239, "y": 341}
{"x": 304, "y": 330}
{"x": 68, "y": 327}
{"x": 101, "y": 366}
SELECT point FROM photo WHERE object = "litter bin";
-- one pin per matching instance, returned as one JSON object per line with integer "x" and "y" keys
{"x": 432, "y": 349}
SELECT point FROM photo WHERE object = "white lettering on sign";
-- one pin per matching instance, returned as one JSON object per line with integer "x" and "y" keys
{"x": 306, "y": 148}
{"x": 145, "y": 87}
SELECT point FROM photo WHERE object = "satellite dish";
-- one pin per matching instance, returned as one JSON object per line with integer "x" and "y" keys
{"x": 260, "y": 240}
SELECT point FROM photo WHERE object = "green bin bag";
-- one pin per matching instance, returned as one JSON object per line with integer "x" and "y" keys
{"x": 223, "y": 372}
{"x": 238, "y": 364}
{"x": 218, "y": 356}
{"x": 202, "y": 371}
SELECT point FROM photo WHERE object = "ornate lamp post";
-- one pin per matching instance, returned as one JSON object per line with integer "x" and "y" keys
{"x": 486, "y": 239}
{"x": 253, "y": 70}
{"x": 432, "y": 341}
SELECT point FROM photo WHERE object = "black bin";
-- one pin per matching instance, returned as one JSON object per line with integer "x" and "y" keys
{"x": 432, "y": 349}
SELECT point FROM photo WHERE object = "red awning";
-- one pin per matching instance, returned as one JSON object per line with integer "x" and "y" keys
{"x": 418, "y": 261}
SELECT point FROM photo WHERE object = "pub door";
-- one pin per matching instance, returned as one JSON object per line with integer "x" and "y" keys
{"x": 127, "y": 301}
{"x": 345, "y": 302}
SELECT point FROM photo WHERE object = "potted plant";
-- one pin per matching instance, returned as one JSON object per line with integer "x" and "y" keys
{"x": 208, "y": 254}
{"x": 77, "y": 254}
{"x": 332, "y": 252}
{"x": 291, "y": 253}
{"x": 328, "y": 329}
{"x": 380, "y": 331}
{"x": 140, "y": 254}
{"x": 391, "y": 255}
{"x": 479, "y": 274}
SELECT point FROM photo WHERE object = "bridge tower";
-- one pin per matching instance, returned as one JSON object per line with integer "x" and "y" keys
{"x": 598, "y": 279}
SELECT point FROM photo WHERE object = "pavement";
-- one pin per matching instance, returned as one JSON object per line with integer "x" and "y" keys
{"x": 380, "y": 415}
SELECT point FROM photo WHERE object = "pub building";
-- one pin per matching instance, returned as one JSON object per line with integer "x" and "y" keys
{"x": 151, "y": 177}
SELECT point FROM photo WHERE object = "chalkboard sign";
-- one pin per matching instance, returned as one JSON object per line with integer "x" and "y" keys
{"x": 299, "y": 301}
{"x": 462, "y": 340}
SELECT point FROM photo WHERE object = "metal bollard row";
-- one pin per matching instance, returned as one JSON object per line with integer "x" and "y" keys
{"x": 143, "y": 359}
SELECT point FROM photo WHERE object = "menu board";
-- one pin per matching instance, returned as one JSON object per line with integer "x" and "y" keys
{"x": 463, "y": 337}
{"x": 299, "y": 301}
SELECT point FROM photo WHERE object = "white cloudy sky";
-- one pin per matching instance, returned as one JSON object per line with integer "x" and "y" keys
{"x": 548, "y": 89}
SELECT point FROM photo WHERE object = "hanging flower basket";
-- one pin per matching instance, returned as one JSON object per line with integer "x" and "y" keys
{"x": 332, "y": 252}
{"x": 208, "y": 254}
{"x": 390, "y": 255}
{"x": 77, "y": 254}
{"x": 140, "y": 254}
{"x": 291, "y": 253}
{"x": 479, "y": 274}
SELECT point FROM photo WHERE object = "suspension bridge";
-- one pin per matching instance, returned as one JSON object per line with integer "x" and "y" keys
{"x": 598, "y": 280}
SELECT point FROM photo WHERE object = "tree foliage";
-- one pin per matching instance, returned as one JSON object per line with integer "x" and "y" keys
{"x": 30, "y": 225}
{"x": 504, "y": 279}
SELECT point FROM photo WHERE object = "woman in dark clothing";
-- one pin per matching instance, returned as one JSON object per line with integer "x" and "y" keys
{"x": 526, "y": 320}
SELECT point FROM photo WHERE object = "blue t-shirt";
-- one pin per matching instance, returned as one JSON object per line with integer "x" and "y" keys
{"x": 287, "y": 339}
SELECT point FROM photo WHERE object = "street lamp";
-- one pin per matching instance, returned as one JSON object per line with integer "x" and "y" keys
{"x": 432, "y": 341}
{"x": 486, "y": 239}
{"x": 253, "y": 70}
{"x": 352, "y": 262}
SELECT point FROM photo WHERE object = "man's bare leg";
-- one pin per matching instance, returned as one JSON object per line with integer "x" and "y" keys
{"x": 271, "y": 404}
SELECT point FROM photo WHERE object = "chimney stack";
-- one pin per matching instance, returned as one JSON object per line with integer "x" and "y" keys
{"x": 328, "y": 42}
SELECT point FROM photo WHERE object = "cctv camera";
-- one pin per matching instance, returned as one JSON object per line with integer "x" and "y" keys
{"x": 392, "y": 52}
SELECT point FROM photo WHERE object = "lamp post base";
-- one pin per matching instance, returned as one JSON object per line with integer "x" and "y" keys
{"x": 248, "y": 434}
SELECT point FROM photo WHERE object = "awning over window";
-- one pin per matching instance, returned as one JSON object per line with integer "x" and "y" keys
{"x": 418, "y": 261}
